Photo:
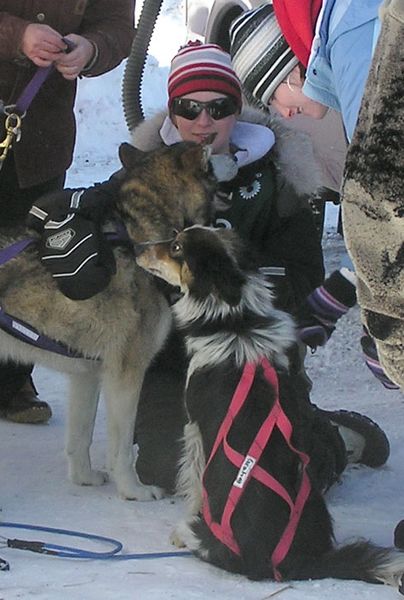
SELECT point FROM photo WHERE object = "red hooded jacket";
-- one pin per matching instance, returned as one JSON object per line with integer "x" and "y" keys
{"x": 297, "y": 20}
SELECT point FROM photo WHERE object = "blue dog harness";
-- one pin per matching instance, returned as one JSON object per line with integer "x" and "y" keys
{"x": 19, "y": 328}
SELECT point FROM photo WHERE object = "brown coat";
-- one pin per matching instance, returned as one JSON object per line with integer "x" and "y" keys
{"x": 48, "y": 131}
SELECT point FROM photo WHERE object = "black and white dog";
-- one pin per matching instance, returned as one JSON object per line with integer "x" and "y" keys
{"x": 251, "y": 506}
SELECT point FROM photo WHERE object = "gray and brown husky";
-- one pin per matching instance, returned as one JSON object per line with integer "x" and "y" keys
{"x": 119, "y": 330}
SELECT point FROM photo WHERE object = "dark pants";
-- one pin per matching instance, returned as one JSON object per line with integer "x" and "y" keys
{"x": 14, "y": 205}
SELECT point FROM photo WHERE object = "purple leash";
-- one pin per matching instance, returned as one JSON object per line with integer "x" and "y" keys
{"x": 16, "y": 112}
{"x": 32, "y": 88}
{"x": 22, "y": 330}
{"x": 12, "y": 251}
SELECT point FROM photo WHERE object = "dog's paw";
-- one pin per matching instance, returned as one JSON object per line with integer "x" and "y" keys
{"x": 133, "y": 489}
{"x": 88, "y": 478}
{"x": 224, "y": 166}
{"x": 176, "y": 539}
{"x": 150, "y": 492}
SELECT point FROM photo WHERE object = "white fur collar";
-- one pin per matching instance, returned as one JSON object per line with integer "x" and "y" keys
{"x": 292, "y": 152}
{"x": 271, "y": 339}
{"x": 253, "y": 140}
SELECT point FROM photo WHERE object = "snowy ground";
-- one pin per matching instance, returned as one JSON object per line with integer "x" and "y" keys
{"x": 33, "y": 474}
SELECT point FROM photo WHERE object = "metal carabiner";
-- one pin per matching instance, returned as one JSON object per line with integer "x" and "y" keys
{"x": 13, "y": 132}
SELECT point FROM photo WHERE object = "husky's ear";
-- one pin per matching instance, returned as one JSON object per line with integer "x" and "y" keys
{"x": 206, "y": 156}
{"x": 129, "y": 155}
{"x": 222, "y": 166}
{"x": 194, "y": 156}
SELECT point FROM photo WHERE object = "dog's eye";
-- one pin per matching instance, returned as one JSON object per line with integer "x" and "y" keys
{"x": 175, "y": 249}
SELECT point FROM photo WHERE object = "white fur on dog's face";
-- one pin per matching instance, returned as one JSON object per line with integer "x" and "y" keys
{"x": 165, "y": 260}
{"x": 199, "y": 260}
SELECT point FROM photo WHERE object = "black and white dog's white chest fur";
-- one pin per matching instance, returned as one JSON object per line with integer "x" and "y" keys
{"x": 228, "y": 319}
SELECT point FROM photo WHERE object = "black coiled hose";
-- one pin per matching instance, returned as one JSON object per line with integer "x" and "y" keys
{"x": 135, "y": 65}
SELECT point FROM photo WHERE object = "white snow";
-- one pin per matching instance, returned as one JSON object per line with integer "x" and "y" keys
{"x": 33, "y": 473}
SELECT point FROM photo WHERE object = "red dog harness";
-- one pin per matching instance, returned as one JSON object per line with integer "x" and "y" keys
{"x": 248, "y": 467}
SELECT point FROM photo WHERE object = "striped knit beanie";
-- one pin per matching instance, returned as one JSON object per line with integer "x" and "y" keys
{"x": 202, "y": 67}
{"x": 260, "y": 54}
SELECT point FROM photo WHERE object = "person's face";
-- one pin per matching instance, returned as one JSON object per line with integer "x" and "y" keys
{"x": 203, "y": 126}
{"x": 289, "y": 100}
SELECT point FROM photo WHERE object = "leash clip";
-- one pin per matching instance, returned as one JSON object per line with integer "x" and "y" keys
{"x": 13, "y": 133}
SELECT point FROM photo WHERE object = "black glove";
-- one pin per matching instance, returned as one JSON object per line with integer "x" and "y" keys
{"x": 320, "y": 312}
{"x": 72, "y": 247}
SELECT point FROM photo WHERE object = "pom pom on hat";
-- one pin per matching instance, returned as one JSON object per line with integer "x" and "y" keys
{"x": 202, "y": 67}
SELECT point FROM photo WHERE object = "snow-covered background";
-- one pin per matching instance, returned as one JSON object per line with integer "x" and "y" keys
{"x": 34, "y": 487}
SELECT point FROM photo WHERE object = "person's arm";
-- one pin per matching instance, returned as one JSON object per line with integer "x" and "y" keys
{"x": 11, "y": 32}
{"x": 294, "y": 243}
{"x": 109, "y": 26}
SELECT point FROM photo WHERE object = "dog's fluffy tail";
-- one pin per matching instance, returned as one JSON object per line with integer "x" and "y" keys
{"x": 361, "y": 560}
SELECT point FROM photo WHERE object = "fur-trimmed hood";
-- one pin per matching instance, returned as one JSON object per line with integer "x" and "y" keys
{"x": 292, "y": 152}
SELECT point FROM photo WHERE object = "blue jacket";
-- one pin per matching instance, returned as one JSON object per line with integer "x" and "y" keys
{"x": 341, "y": 55}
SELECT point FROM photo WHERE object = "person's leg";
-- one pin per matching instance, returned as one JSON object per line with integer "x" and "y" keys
{"x": 18, "y": 397}
{"x": 333, "y": 438}
{"x": 11, "y": 376}
{"x": 373, "y": 195}
{"x": 336, "y": 438}
{"x": 161, "y": 416}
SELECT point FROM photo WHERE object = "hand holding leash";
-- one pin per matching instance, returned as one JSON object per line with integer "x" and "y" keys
{"x": 16, "y": 112}
{"x": 80, "y": 56}
{"x": 42, "y": 44}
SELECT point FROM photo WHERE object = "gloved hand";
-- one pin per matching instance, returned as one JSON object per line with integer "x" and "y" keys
{"x": 372, "y": 361}
{"x": 94, "y": 203}
{"x": 320, "y": 312}
{"x": 72, "y": 247}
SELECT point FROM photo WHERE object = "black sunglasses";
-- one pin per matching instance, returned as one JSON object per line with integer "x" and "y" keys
{"x": 217, "y": 109}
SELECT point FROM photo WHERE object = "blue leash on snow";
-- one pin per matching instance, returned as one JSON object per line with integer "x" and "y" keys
{"x": 71, "y": 552}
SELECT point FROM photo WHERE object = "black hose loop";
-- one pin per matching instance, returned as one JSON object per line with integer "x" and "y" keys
{"x": 135, "y": 65}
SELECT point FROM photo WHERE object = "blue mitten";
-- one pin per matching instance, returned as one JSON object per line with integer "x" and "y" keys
{"x": 324, "y": 306}
{"x": 372, "y": 361}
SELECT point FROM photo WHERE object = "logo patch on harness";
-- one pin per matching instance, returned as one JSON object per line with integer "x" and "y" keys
{"x": 244, "y": 471}
{"x": 60, "y": 240}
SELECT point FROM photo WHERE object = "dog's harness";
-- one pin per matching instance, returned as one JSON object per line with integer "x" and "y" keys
{"x": 248, "y": 466}
{"x": 19, "y": 328}
{"x": 25, "y": 332}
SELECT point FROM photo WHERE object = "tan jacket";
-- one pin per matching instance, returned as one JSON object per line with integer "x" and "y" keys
{"x": 48, "y": 131}
{"x": 373, "y": 196}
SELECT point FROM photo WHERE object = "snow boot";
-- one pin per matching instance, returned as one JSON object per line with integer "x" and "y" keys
{"x": 365, "y": 442}
{"x": 25, "y": 407}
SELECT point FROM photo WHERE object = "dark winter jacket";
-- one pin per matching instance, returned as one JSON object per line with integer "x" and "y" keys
{"x": 48, "y": 130}
{"x": 269, "y": 209}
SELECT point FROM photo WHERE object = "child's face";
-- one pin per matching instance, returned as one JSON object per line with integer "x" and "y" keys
{"x": 288, "y": 99}
{"x": 203, "y": 126}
